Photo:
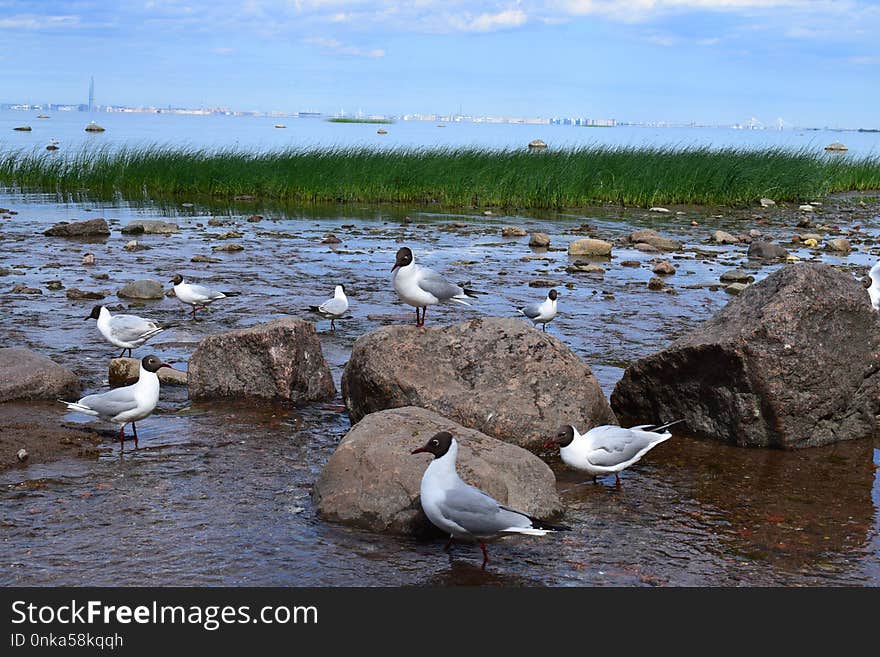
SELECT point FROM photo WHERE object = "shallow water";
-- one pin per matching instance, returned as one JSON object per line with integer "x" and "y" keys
{"x": 220, "y": 494}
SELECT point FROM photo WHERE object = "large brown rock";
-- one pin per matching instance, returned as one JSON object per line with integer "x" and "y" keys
{"x": 499, "y": 376}
{"x": 89, "y": 228}
{"x": 372, "y": 480}
{"x": 28, "y": 375}
{"x": 655, "y": 239}
{"x": 791, "y": 362}
{"x": 277, "y": 361}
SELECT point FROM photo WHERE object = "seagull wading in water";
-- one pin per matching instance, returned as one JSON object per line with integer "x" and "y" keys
{"x": 541, "y": 313}
{"x": 874, "y": 290}
{"x": 422, "y": 287}
{"x": 128, "y": 404}
{"x": 608, "y": 449}
{"x": 463, "y": 511}
{"x": 334, "y": 308}
{"x": 125, "y": 331}
{"x": 197, "y": 296}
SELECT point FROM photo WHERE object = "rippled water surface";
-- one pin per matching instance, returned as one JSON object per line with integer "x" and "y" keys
{"x": 220, "y": 494}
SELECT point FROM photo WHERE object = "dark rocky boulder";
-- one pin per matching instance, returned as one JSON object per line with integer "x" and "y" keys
{"x": 280, "y": 360}
{"x": 27, "y": 375}
{"x": 372, "y": 480}
{"x": 89, "y": 228}
{"x": 791, "y": 362}
{"x": 499, "y": 376}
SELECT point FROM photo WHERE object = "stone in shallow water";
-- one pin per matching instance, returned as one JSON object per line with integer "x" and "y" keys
{"x": 792, "y": 361}
{"x": 499, "y": 376}
{"x": 25, "y": 374}
{"x": 372, "y": 479}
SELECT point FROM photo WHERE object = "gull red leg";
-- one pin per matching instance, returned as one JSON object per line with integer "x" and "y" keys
{"x": 485, "y": 554}
{"x": 616, "y": 480}
{"x": 424, "y": 312}
{"x": 122, "y": 438}
{"x": 135, "y": 430}
{"x": 449, "y": 544}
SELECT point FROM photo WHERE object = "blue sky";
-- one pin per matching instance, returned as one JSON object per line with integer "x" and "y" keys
{"x": 811, "y": 63}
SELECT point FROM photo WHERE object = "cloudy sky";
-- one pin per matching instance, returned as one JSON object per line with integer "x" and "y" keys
{"x": 810, "y": 62}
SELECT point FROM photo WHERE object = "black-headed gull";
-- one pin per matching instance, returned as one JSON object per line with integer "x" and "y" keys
{"x": 128, "y": 404}
{"x": 197, "y": 296}
{"x": 608, "y": 449}
{"x": 125, "y": 331}
{"x": 421, "y": 287}
{"x": 463, "y": 511}
{"x": 334, "y": 308}
{"x": 874, "y": 290}
{"x": 541, "y": 313}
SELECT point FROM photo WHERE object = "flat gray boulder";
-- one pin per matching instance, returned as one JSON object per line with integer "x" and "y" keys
{"x": 791, "y": 361}
{"x": 25, "y": 374}
{"x": 499, "y": 376}
{"x": 372, "y": 480}
{"x": 143, "y": 289}
{"x": 280, "y": 360}
{"x": 150, "y": 227}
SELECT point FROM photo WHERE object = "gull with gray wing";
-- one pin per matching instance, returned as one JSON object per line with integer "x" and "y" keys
{"x": 127, "y": 404}
{"x": 541, "y": 313}
{"x": 463, "y": 511}
{"x": 197, "y": 296}
{"x": 421, "y": 287}
{"x": 125, "y": 331}
{"x": 608, "y": 449}
{"x": 334, "y": 308}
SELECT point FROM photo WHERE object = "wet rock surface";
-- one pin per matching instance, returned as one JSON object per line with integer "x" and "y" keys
{"x": 277, "y": 361}
{"x": 793, "y": 361}
{"x": 88, "y": 228}
{"x": 142, "y": 289}
{"x": 372, "y": 479}
{"x": 150, "y": 227}
{"x": 27, "y": 375}
{"x": 499, "y": 376}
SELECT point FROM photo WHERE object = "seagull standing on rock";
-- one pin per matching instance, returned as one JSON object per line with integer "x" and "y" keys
{"x": 421, "y": 287}
{"x": 874, "y": 290}
{"x": 463, "y": 511}
{"x": 125, "y": 331}
{"x": 197, "y": 296}
{"x": 127, "y": 404}
{"x": 334, "y": 308}
{"x": 541, "y": 313}
{"x": 608, "y": 449}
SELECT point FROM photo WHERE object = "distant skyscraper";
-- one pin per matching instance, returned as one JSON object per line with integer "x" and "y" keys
{"x": 92, "y": 94}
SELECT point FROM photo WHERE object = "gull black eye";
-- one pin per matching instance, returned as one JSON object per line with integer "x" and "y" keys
{"x": 435, "y": 442}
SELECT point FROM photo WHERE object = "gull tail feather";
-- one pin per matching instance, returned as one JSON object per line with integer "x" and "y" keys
{"x": 661, "y": 427}
{"x": 230, "y": 294}
{"x": 76, "y": 406}
{"x": 471, "y": 293}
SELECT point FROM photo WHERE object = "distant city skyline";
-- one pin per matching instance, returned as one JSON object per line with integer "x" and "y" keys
{"x": 714, "y": 62}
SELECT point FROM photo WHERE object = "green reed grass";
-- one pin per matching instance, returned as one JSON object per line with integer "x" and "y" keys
{"x": 465, "y": 177}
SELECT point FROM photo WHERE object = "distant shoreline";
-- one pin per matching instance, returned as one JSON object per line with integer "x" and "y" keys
{"x": 447, "y": 178}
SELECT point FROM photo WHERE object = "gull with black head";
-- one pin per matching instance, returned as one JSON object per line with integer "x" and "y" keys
{"x": 197, "y": 296}
{"x": 125, "y": 331}
{"x": 421, "y": 287}
{"x": 541, "y": 313}
{"x": 127, "y": 404}
{"x": 463, "y": 511}
{"x": 608, "y": 449}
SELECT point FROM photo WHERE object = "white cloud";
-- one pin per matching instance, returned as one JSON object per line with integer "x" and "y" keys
{"x": 223, "y": 51}
{"x": 340, "y": 48}
{"x": 489, "y": 22}
{"x": 36, "y": 22}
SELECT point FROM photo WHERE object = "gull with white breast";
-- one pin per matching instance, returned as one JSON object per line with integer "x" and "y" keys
{"x": 125, "y": 331}
{"x": 421, "y": 287}
{"x": 874, "y": 290}
{"x": 608, "y": 449}
{"x": 197, "y": 296}
{"x": 334, "y": 308}
{"x": 127, "y": 404}
{"x": 463, "y": 511}
{"x": 541, "y": 313}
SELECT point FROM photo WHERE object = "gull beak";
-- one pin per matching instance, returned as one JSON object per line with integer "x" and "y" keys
{"x": 549, "y": 443}
{"x": 420, "y": 450}
{"x": 396, "y": 265}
